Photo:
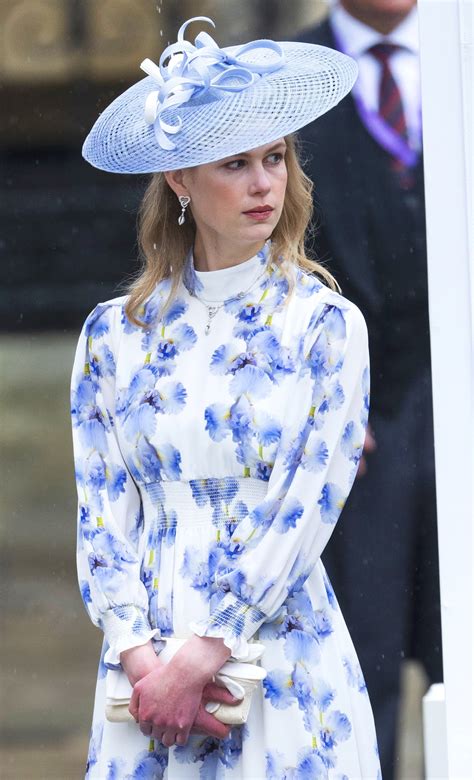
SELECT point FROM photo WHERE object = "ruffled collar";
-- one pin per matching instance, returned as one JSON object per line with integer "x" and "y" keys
{"x": 225, "y": 283}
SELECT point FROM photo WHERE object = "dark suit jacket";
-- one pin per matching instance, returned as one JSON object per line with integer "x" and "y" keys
{"x": 372, "y": 234}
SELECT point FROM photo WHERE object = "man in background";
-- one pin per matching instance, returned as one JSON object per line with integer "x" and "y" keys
{"x": 365, "y": 158}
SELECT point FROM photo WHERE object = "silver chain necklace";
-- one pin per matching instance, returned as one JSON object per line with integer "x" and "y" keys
{"x": 214, "y": 306}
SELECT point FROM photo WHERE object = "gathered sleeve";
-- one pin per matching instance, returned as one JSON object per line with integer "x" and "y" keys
{"x": 276, "y": 546}
{"x": 109, "y": 506}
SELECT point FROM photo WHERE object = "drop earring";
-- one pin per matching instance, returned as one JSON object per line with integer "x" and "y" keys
{"x": 184, "y": 201}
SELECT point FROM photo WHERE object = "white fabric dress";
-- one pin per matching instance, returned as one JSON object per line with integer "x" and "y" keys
{"x": 211, "y": 470}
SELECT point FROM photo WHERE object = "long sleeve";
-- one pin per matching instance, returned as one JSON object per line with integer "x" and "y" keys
{"x": 276, "y": 546}
{"x": 109, "y": 508}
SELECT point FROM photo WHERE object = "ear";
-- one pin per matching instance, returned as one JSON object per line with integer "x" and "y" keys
{"x": 175, "y": 181}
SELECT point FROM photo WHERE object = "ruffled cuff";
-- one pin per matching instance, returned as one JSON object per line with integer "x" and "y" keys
{"x": 125, "y": 627}
{"x": 235, "y": 622}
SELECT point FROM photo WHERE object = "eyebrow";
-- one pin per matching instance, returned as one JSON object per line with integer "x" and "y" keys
{"x": 279, "y": 145}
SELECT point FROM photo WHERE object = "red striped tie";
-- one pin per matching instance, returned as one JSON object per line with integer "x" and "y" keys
{"x": 390, "y": 100}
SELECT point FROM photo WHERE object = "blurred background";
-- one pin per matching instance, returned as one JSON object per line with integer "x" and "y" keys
{"x": 67, "y": 241}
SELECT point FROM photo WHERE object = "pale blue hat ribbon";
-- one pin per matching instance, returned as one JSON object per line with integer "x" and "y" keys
{"x": 192, "y": 69}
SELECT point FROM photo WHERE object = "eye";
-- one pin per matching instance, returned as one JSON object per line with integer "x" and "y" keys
{"x": 235, "y": 165}
{"x": 275, "y": 158}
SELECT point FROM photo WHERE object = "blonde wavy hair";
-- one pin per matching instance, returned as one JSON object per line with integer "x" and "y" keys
{"x": 164, "y": 244}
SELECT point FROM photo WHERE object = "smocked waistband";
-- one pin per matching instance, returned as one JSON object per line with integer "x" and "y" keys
{"x": 216, "y": 500}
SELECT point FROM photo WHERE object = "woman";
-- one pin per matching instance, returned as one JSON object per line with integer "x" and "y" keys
{"x": 219, "y": 414}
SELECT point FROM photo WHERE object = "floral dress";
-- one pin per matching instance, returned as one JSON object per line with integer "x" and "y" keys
{"x": 212, "y": 465}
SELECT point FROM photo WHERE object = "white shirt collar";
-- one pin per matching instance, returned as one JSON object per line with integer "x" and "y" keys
{"x": 357, "y": 37}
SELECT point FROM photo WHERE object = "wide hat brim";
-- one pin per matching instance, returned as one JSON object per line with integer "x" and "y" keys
{"x": 215, "y": 124}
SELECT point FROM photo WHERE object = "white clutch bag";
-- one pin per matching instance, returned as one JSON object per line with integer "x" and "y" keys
{"x": 240, "y": 678}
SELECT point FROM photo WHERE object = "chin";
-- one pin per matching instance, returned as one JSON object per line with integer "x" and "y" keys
{"x": 264, "y": 229}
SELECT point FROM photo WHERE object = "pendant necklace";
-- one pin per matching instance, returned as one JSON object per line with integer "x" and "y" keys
{"x": 213, "y": 307}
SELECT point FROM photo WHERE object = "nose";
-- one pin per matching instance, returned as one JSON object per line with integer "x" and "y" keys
{"x": 259, "y": 179}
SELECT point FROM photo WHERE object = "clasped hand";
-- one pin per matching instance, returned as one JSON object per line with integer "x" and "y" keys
{"x": 168, "y": 700}
{"x": 169, "y": 707}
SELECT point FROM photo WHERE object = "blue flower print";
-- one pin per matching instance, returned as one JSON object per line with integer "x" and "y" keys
{"x": 115, "y": 477}
{"x": 278, "y": 687}
{"x": 98, "y": 323}
{"x": 263, "y": 363}
{"x": 311, "y": 766}
{"x": 275, "y": 766}
{"x": 94, "y": 746}
{"x": 94, "y": 475}
{"x": 200, "y": 572}
{"x": 307, "y": 285}
{"x": 88, "y": 417}
{"x": 298, "y": 614}
{"x": 142, "y": 401}
{"x": 217, "y": 421}
{"x": 354, "y": 675}
{"x": 240, "y": 419}
{"x": 107, "y": 558}
{"x": 303, "y": 690}
{"x": 364, "y": 414}
{"x": 326, "y": 400}
{"x": 228, "y": 577}
{"x": 336, "y": 728}
{"x": 85, "y": 591}
{"x": 87, "y": 525}
{"x": 248, "y": 313}
{"x": 137, "y": 527}
{"x": 325, "y": 357}
{"x": 101, "y": 362}
{"x": 223, "y": 359}
{"x": 149, "y": 312}
{"x": 252, "y": 429}
{"x": 352, "y": 442}
{"x": 315, "y": 455}
{"x": 252, "y": 381}
{"x": 220, "y": 494}
{"x": 174, "y": 312}
{"x": 151, "y": 462}
{"x": 324, "y": 694}
{"x": 150, "y": 764}
{"x": 301, "y": 647}
{"x": 212, "y": 753}
{"x": 289, "y": 513}
{"x": 331, "y": 502}
{"x": 322, "y": 623}
{"x": 267, "y": 429}
{"x": 160, "y": 613}
{"x": 331, "y": 596}
{"x": 115, "y": 769}
{"x": 172, "y": 341}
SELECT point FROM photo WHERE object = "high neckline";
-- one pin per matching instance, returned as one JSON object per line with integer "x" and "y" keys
{"x": 223, "y": 283}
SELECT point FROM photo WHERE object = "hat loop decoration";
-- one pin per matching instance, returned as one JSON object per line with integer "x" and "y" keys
{"x": 193, "y": 69}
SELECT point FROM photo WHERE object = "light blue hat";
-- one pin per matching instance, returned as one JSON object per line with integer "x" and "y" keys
{"x": 203, "y": 103}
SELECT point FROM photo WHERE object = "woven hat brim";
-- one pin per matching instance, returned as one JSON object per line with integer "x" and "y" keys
{"x": 314, "y": 79}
